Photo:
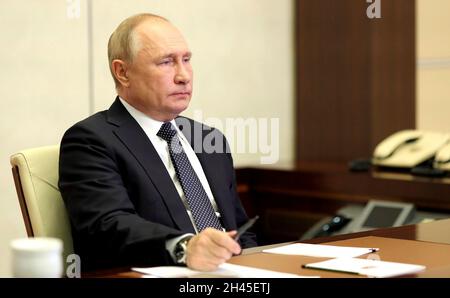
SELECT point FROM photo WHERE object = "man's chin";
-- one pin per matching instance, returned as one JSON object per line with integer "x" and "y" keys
{"x": 181, "y": 105}
{"x": 178, "y": 109}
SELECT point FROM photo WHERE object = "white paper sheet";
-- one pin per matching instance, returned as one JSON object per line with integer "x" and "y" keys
{"x": 371, "y": 268}
{"x": 225, "y": 270}
{"x": 320, "y": 251}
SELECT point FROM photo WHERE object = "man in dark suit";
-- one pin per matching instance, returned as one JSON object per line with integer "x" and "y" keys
{"x": 136, "y": 191}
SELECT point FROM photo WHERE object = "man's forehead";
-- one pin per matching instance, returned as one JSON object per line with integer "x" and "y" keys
{"x": 161, "y": 37}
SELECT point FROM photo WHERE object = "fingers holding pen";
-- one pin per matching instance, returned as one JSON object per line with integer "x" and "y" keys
{"x": 211, "y": 248}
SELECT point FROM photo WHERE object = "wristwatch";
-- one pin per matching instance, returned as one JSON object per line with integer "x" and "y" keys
{"x": 180, "y": 250}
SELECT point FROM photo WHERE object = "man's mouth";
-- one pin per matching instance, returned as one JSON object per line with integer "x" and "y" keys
{"x": 181, "y": 93}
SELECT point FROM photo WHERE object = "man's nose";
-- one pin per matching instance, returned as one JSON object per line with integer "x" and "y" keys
{"x": 182, "y": 75}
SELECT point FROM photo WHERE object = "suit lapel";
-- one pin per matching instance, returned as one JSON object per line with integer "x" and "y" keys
{"x": 137, "y": 142}
{"x": 219, "y": 188}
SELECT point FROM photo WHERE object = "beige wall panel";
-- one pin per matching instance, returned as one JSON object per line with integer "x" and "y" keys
{"x": 44, "y": 91}
{"x": 242, "y": 59}
{"x": 433, "y": 72}
{"x": 433, "y": 93}
{"x": 433, "y": 28}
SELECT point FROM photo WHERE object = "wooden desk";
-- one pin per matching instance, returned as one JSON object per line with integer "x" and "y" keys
{"x": 425, "y": 244}
{"x": 291, "y": 198}
{"x": 434, "y": 256}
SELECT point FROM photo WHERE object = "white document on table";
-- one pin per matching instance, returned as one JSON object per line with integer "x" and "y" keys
{"x": 368, "y": 267}
{"x": 224, "y": 270}
{"x": 320, "y": 251}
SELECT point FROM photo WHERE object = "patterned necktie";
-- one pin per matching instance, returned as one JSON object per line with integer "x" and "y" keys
{"x": 196, "y": 197}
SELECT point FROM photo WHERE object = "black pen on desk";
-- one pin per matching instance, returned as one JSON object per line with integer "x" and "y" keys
{"x": 245, "y": 227}
{"x": 305, "y": 266}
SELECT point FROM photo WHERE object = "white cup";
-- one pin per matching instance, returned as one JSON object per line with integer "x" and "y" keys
{"x": 37, "y": 257}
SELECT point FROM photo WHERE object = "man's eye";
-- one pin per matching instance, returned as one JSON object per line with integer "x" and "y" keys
{"x": 165, "y": 62}
{"x": 187, "y": 59}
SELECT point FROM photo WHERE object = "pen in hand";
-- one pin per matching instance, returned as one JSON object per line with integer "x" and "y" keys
{"x": 245, "y": 227}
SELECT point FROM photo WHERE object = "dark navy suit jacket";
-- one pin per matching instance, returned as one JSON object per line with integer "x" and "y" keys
{"x": 121, "y": 201}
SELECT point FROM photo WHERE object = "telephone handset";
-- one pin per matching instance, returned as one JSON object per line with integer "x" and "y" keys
{"x": 408, "y": 148}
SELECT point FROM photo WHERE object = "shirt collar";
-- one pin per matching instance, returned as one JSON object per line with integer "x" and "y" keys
{"x": 149, "y": 124}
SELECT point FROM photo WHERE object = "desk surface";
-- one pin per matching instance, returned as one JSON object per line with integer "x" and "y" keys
{"x": 423, "y": 244}
{"x": 434, "y": 256}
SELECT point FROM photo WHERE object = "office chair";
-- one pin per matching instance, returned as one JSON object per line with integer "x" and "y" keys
{"x": 35, "y": 174}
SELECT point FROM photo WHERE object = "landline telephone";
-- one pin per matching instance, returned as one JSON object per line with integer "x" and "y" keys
{"x": 375, "y": 214}
{"x": 424, "y": 152}
{"x": 409, "y": 148}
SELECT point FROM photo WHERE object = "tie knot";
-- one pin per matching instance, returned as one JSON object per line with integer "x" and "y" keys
{"x": 167, "y": 131}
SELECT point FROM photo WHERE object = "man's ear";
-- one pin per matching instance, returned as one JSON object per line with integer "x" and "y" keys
{"x": 120, "y": 69}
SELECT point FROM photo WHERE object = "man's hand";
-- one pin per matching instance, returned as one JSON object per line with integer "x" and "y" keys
{"x": 207, "y": 250}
